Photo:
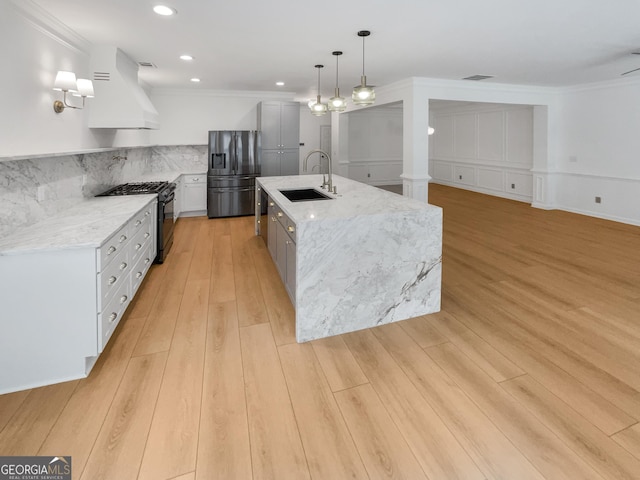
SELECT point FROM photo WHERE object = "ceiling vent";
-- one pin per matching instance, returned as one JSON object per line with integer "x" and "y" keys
{"x": 147, "y": 64}
{"x": 478, "y": 77}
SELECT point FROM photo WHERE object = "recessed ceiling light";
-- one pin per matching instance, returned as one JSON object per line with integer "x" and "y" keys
{"x": 186, "y": 57}
{"x": 280, "y": 84}
{"x": 195, "y": 80}
{"x": 164, "y": 10}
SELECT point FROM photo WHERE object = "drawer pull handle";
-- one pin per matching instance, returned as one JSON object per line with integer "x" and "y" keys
{"x": 273, "y": 219}
{"x": 271, "y": 204}
{"x": 112, "y": 317}
{"x": 112, "y": 280}
{"x": 111, "y": 250}
{"x": 123, "y": 298}
{"x": 138, "y": 246}
{"x": 147, "y": 235}
{"x": 123, "y": 265}
{"x": 138, "y": 222}
{"x": 280, "y": 214}
{"x": 122, "y": 238}
{"x": 290, "y": 229}
{"x": 147, "y": 213}
{"x": 138, "y": 274}
{"x": 146, "y": 260}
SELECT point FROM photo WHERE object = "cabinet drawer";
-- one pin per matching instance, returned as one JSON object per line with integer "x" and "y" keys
{"x": 113, "y": 276}
{"x": 112, "y": 247}
{"x": 141, "y": 219}
{"x": 141, "y": 267}
{"x": 286, "y": 222}
{"x": 140, "y": 241}
{"x": 111, "y": 314}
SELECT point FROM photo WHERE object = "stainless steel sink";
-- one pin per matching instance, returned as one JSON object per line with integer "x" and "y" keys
{"x": 304, "y": 195}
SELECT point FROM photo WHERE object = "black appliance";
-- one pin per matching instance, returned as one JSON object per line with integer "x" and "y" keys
{"x": 166, "y": 196}
{"x": 234, "y": 163}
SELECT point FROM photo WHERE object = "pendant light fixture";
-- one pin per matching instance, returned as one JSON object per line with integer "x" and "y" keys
{"x": 318, "y": 108}
{"x": 337, "y": 103}
{"x": 363, "y": 94}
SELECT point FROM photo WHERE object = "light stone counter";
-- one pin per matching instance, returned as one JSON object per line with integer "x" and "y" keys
{"x": 87, "y": 224}
{"x": 367, "y": 257}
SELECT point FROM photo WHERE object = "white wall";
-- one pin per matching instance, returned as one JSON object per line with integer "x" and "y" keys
{"x": 186, "y": 115}
{"x": 599, "y": 151}
{"x": 374, "y": 145}
{"x": 33, "y": 47}
{"x": 483, "y": 147}
{"x": 310, "y": 136}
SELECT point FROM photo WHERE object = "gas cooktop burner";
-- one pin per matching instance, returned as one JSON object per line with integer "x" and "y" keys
{"x": 135, "y": 189}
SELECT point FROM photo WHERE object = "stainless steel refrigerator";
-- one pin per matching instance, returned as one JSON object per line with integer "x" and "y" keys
{"x": 234, "y": 164}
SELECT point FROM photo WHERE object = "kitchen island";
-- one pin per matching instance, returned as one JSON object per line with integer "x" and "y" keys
{"x": 362, "y": 258}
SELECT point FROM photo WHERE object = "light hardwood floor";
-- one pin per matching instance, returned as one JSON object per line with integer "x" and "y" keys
{"x": 530, "y": 371}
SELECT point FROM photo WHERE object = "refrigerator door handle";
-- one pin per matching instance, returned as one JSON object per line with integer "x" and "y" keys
{"x": 235, "y": 152}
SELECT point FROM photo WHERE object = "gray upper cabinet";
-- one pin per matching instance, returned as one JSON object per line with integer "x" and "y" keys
{"x": 279, "y": 124}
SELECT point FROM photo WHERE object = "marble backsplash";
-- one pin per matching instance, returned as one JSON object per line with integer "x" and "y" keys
{"x": 33, "y": 189}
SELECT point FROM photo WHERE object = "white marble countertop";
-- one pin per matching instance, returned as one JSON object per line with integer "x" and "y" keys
{"x": 353, "y": 199}
{"x": 88, "y": 224}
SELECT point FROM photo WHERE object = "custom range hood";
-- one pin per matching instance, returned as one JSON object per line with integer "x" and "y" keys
{"x": 120, "y": 101}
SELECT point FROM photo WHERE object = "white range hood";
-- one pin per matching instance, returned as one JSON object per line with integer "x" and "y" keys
{"x": 120, "y": 101}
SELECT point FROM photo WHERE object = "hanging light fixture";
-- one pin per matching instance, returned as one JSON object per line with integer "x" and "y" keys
{"x": 363, "y": 94}
{"x": 337, "y": 103}
{"x": 318, "y": 108}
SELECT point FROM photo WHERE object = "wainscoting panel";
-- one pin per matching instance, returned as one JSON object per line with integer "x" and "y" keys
{"x": 491, "y": 179}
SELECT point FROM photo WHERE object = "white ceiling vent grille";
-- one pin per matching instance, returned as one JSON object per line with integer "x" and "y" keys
{"x": 101, "y": 76}
{"x": 478, "y": 77}
{"x": 147, "y": 64}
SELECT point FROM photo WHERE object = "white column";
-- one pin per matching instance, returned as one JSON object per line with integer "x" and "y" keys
{"x": 544, "y": 179}
{"x": 415, "y": 145}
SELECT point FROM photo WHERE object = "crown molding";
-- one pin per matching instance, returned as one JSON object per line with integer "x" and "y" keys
{"x": 50, "y": 26}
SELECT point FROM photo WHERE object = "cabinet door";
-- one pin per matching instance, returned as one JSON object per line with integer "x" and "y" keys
{"x": 290, "y": 282}
{"x": 270, "y": 125}
{"x": 271, "y": 232}
{"x": 281, "y": 250}
{"x": 270, "y": 163}
{"x": 290, "y": 162}
{"x": 195, "y": 197}
{"x": 290, "y": 125}
{"x": 177, "y": 202}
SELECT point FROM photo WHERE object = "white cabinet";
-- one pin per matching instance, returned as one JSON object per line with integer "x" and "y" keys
{"x": 279, "y": 125}
{"x": 177, "y": 201}
{"x": 194, "y": 195}
{"x": 63, "y": 303}
{"x": 123, "y": 262}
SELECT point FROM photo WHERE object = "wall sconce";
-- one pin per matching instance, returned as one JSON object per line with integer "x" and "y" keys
{"x": 66, "y": 82}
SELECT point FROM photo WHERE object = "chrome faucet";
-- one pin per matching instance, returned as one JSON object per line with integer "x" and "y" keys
{"x": 325, "y": 183}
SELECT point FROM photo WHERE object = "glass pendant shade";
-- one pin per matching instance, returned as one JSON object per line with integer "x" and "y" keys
{"x": 363, "y": 94}
{"x": 318, "y": 108}
{"x": 337, "y": 103}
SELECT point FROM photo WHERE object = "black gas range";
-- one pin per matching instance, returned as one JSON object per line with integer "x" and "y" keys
{"x": 138, "y": 188}
{"x": 166, "y": 195}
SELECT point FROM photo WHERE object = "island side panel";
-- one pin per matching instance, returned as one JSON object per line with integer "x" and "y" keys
{"x": 366, "y": 271}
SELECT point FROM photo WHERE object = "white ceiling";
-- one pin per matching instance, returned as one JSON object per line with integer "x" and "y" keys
{"x": 251, "y": 44}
